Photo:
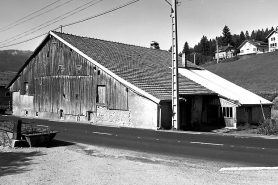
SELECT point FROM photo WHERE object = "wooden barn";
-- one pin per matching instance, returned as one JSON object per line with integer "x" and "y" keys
{"x": 90, "y": 80}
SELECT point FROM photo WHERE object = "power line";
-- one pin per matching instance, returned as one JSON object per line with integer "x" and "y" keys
{"x": 37, "y": 28}
{"x": 168, "y": 2}
{"x": 111, "y": 10}
{"x": 23, "y": 41}
{"x": 34, "y": 16}
{"x": 30, "y": 14}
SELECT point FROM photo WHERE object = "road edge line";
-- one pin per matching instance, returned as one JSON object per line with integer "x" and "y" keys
{"x": 247, "y": 169}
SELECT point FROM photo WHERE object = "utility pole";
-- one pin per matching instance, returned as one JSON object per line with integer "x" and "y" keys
{"x": 175, "y": 80}
{"x": 217, "y": 50}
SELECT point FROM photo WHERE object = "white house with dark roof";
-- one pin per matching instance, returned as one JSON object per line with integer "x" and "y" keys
{"x": 225, "y": 52}
{"x": 249, "y": 47}
{"x": 91, "y": 80}
{"x": 273, "y": 40}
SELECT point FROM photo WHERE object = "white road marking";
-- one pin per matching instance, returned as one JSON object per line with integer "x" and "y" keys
{"x": 248, "y": 169}
{"x": 102, "y": 133}
{"x": 207, "y": 143}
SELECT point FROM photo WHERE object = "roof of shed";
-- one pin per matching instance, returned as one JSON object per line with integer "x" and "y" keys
{"x": 224, "y": 87}
{"x": 146, "y": 69}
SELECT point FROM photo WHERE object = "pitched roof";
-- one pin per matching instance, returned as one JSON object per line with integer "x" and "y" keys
{"x": 140, "y": 68}
{"x": 224, "y": 48}
{"x": 224, "y": 87}
{"x": 273, "y": 31}
{"x": 146, "y": 68}
{"x": 254, "y": 43}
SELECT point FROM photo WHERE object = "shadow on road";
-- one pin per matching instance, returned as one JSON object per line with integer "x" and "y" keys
{"x": 58, "y": 143}
{"x": 16, "y": 162}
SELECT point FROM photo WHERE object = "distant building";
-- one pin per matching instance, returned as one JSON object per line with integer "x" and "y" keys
{"x": 5, "y": 94}
{"x": 249, "y": 47}
{"x": 273, "y": 39}
{"x": 225, "y": 52}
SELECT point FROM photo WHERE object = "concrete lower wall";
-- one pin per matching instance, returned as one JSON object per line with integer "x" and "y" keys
{"x": 22, "y": 104}
{"x": 143, "y": 112}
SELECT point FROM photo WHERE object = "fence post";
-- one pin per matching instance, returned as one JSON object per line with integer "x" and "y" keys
{"x": 17, "y": 130}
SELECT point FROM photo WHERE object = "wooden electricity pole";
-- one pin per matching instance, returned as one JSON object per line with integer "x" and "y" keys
{"x": 175, "y": 79}
{"x": 217, "y": 51}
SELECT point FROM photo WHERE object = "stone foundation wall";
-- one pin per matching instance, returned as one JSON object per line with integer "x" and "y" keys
{"x": 112, "y": 117}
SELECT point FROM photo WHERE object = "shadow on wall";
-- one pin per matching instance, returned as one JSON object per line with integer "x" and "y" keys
{"x": 16, "y": 162}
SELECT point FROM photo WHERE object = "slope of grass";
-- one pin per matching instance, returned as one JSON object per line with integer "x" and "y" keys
{"x": 6, "y": 77}
{"x": 12, "y": 60}
{"x": 255, "y": 73}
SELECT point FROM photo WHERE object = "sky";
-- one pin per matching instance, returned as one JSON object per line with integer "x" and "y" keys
{"x": 136, "y": 24}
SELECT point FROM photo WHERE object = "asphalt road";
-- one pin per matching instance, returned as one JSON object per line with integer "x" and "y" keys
{"x": 241, "y": 151}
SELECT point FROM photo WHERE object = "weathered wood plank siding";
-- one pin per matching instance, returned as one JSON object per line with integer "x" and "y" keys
{"x": 61, "y": 79}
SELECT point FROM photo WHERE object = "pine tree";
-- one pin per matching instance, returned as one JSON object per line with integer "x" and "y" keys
{"x": 186, "y": 49}
{"x": 247, "y": 36}
{"x": 204, "y": 45}
{"x": 253, "y": 35}
{"x": 241, "y": 37}
{"x": 227, "y": 37}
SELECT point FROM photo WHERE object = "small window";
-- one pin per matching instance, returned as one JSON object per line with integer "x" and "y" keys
{"x": 226, "y": 112}
{"x": 8, "y": 94}
{"x": 254, "y": 49}
{"x": 101, "y": 94}
{"x": 241, "y": 51}
{"x": 26, "y": 88}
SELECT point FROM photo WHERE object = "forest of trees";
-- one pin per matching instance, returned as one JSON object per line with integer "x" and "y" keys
{"x": 205, "y": 49}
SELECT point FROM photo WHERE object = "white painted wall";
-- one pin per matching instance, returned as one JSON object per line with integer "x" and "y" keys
{"x": 273, "y": 39}
{"x": 248, "y": 48}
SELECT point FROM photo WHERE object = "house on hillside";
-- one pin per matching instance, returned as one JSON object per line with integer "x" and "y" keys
{"x": 5, "y": 94}
{"x": 249, "y": 47}
{"x": 77, "y": 78}
{"x": 273, "y": 40}
{"x": 225, "y": 52}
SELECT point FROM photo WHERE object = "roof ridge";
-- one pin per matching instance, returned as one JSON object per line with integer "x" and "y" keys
{"x": 109, "y": 41}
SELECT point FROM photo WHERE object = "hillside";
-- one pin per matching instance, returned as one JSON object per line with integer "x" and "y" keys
{"x": 255, "y": 73}
{"x": 6, "y": 77}
{"x": 12, "y": 60}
